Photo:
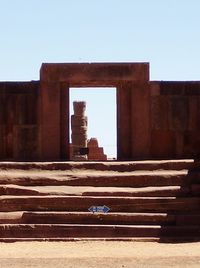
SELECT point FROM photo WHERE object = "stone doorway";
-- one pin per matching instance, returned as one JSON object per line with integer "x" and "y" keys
{"x": 132, "y": 83}
{"x": 101, "y": 114}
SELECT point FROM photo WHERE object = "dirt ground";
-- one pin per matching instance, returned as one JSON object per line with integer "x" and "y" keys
{"x": 98, "y": 254}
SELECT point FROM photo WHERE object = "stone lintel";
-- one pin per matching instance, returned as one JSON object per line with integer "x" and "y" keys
{"x": 101, "y": 74}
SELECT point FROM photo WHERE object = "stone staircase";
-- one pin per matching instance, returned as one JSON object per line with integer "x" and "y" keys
{"x": 147, "y": 201}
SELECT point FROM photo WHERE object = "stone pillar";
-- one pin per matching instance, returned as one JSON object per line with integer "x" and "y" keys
{"x": 124, "y": 91}
{"x": 79, "y": 131}
{"x": 49, "y": 120}
{"x": 140, "y": 121}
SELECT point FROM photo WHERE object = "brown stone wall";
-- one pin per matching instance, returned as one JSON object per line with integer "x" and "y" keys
{"x": 19, "y": 120}
{"x": 133, "y": 113}
{"x": 155, "y": 119}
{"x": 140, "y": 121}
{"x": 175, "y": 119}
{"x": 50, "y": 120}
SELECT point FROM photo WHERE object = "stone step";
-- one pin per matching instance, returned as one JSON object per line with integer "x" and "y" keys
{"x": 103, "y": 166}
{"x": 190, "y": 219}
{"x": 94, "y": 231}
{"x": 59, "y": 217}
{"x": 169, "y": 191}
{"x": 195, "y": 189}
{"x": 166, "y": 239}
{"x": 96, "y": 239}
{"x": 42, "y": 217}
{"x": 83, "y": 203}
{"x": 33, "y": 217}
{"x": 130, "y": 179}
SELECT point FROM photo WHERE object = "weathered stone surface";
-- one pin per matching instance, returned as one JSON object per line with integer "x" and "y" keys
{"x": 160, "y": 113}
{"x": 179, "y": 113}
{"x": 103, "y": 73}
{"x": 163, "y": 144}
{"x": 143, "y": 107}
{"x": 35, "y": 217}
{"x": 116, "y": 204}
{"x": 99, "y": 191}
{"x": 126, "y": 166}
{"x": 140, "y": 121}
{"x": 149, "y": 210}
{"x": 79, "y": 130}
{"x": 79, "y": 230}
{"x": 136, "y": 179}
{"x": 96, "y": 153}
{"x": 18, "y": 114}
{"x": 192, "y": 219}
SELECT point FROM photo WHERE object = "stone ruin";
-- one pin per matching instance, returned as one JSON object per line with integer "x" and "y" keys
{"x": 79, "y": 131}
{"x": 81, "y": 147}
{"x": 155, "y": 119}
{"x": 95, "y": 152}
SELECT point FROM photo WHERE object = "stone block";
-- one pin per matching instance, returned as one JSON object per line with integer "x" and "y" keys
{"x": 192, "y": 88}
{"x": 172, "y": 88}
{"x": 155, "y": 88}
{"x": 2, "y": 143}
{"x": 2, "y": 110}
{"x": 95, "y": 152}
{"x": 140, "y": 121}
{"x": 178, "y": 113}
{"x": 194, "y": 113}
{"x": 93, "y": 142}
{"x": 79, "y": 108}
{"x": 179, "y": 144}
{"x": 78, "y": 121}
{"x": 103, "y": 73}
{"x": 26, "y": 142}
{"x": 191, "y": 144}
{"x": 82, "y": 130}
{"x": 50, "y": 97}
{"x": 163, "y": 144}
{"x": 159, "y": 113}
{"x": 124, "y": 125}
{"x": 79, "y": 141}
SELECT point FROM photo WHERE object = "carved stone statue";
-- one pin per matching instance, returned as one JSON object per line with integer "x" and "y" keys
{"x": 79, "y": 131}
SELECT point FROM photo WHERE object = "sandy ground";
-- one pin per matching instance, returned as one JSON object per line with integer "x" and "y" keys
{"x": 98, "y": 254}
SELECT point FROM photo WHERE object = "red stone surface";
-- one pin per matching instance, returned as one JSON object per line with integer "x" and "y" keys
{"x": 95, "y": 152}
{"x": 98, "y": 74}
{"x": 19, "y": 120}
{"x": 79, "y": 130}
{"x": 55, "y": 204}
{"x": 155, "y": 119}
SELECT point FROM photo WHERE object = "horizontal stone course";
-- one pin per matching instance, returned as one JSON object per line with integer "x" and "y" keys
{"x": 116, "y": 204}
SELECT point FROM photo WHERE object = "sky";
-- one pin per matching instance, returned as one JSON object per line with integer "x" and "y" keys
{"x": 165, "y": 33}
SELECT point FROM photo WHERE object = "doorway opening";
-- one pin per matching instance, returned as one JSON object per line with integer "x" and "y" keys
{"x": 101, "y": 117}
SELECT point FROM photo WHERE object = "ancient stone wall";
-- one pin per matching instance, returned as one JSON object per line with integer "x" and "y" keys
{"x": 155, "y": 119}
{"x": 19, "y": 130}
{"x": 175, "y": 119}
{"x": 130, "y": 80}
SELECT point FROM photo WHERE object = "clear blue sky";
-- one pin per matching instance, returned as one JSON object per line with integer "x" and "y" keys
{"x": 165, "y": 33}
